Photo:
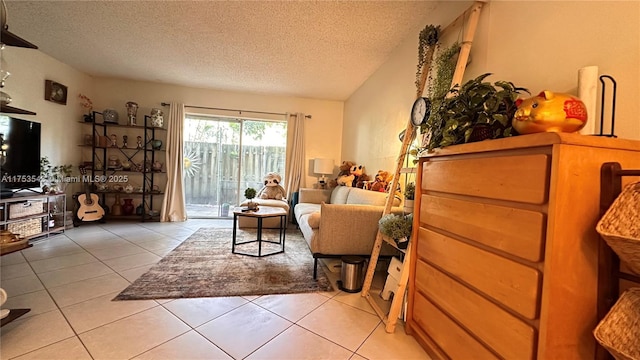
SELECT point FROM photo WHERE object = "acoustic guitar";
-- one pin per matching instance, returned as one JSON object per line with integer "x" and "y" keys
{"x": 89, "y": 209}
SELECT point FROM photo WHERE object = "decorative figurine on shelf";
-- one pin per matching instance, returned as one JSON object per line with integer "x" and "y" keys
{"x": 124, "y": 141}
{"x": 116, "y": 208}
{"x": 128, "y": 208}
{"x": 114, "y": 163}
{"x": 110, "y": 116}
{"x": 114, "y": 140}
{"x": 139, "y": 143}
{"x": 157, "y": 118}
{"x": 132, "y": 110}
{"x": 156, "y": 166}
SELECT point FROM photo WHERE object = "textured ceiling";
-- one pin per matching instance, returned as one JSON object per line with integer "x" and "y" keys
{"x": 319, "y": 49}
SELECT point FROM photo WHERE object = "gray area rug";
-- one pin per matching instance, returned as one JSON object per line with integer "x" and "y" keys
{"x": 203, "y": 266}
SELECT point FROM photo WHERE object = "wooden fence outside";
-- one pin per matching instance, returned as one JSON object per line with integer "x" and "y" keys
{"x": 216, "y": 182}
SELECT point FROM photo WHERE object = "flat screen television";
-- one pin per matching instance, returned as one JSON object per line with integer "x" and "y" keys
{"x": 19, "y": 154}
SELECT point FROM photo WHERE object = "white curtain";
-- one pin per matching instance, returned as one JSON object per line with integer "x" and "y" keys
{"x": 295, "y": 165}
{"x": 173, "y": 205}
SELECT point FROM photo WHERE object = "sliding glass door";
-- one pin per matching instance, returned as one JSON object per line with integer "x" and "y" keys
{"x": 223, "y": 156}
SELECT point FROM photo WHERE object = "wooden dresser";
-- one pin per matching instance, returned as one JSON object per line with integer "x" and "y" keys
{"x": 505, "y": 252}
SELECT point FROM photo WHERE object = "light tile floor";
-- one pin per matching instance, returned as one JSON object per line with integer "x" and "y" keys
{"x": 68, "y": 282}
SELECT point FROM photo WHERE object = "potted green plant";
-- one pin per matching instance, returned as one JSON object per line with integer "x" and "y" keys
{"x": 250, "y": 194}
{"x": 440, "y": 78}
{"x": 54, "y": 179}
{"x": 397, "y": 227}
{"x": 475, "y": 111}
{"x": 409, "y": 196}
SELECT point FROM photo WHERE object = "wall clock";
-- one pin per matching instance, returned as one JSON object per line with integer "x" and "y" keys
{"x": 420, "y": 111}
{"x": 55, "y": 92}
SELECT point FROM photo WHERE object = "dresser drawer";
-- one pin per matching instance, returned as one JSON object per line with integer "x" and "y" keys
{"x": 516, "y": 231}
{"x": 521, "y": 178}
{"x": 508, "y": 336}
{"x": 450, "y": 337}
{"x": 513, "y": 284}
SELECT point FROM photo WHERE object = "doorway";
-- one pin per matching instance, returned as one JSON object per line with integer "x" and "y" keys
{"x": 223, "y": 156}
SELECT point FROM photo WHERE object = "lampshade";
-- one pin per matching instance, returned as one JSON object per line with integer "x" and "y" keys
{"x": 323, "y": 166}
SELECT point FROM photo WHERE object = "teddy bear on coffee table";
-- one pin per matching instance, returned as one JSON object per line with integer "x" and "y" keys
{"x": 272, "y": 188}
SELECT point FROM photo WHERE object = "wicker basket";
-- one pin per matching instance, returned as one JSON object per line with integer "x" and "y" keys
{"x": 26, "y": 228}
{"x": 620, "y": 226}
{"x": 619, "y": 331}
{"x": 26, "y": 208}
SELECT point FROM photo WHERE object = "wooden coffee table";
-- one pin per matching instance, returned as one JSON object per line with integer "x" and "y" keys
{"x": 261, "y": 213}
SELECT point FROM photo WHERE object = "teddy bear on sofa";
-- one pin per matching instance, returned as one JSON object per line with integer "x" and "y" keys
{"x": 345, "y": 170}
{"x": 363, "y": 181}
{"x": 351, "y": 175}
{"x": 381, "y": 181}
{"x": 351, "y": 180}
{"x": 272, "y": 188}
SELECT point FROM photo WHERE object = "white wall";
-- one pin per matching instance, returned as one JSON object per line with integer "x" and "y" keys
{"x": 379, "y": 110}
{"x": 539, "y": 45}
{"x": 545, "y": 51}
{"x": 29, "y": 69}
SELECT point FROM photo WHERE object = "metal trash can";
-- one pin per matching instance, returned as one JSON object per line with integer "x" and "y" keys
{"x": 351, "y": 274}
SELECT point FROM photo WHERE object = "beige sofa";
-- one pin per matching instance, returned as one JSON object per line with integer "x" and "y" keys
{"x": 342, "y": 221}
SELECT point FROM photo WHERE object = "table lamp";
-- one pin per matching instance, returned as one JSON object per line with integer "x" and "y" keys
{"x": 323, "y": 167}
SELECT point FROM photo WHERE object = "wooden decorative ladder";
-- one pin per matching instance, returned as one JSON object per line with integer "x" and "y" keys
{"x": 471, "y": 16}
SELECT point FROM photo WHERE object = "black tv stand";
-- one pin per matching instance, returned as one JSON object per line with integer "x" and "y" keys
{"x": 8, "y": 193}
{"x": 30, "y": 189}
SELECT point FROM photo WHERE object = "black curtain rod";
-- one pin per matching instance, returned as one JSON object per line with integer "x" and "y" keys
{"x": 240, "y": 111}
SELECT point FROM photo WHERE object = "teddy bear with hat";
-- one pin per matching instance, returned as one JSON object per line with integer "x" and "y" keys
{"x": 272, "y": 188}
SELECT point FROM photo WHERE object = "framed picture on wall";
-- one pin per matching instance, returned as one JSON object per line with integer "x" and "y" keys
{"x": 55, "y": 92}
